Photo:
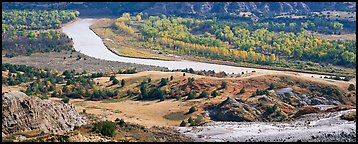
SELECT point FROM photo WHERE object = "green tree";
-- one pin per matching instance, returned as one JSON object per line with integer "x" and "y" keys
{"x": 272, "y": 86}
{"x": 106, "y": 128}
{"x": 115, "y": 81}
{"x": 351, "y": 87}
{"x": 204, "y": 94}
{"x": 242, "y": 91}
{"x": 214, "y": 93}
{"x": 66, "y": 100}
{"x": 223, "y": 85}
{"x": 163, "y": 82}
{"x": 183, "y": 124}
{"x": 192, "y": 109}
{"x": 191, "y": 95}
{"x": 123, "y": 83}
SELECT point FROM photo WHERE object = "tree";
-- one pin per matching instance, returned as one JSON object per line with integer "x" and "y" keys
{"x": 204, "y": 94}
{"x": 115, "y": 81}
{"x": 112, "y": 78}
{"x": 351, "y": 87}
{"x": 192, "y": 109}
{"x": 183, "y": 124}
{"x": 191, "y": 95}
{"x": 214, "y": 93}
{"x": 242, "y": 91}
{"x": 106, "y": 128}
{"x": 143, "y": 91}
{"x": 123, "y": 83}
{"x": 129, "y": 93}
{"x": 163, "y": 81}
{"x": 272, "y": 86}
{"x": 66, "y": 99}
{"x": 223, "y": 85}
{"x": 190, "y": 120}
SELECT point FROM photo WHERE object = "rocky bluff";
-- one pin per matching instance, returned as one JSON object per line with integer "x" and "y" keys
{"x": 21, "y": 113}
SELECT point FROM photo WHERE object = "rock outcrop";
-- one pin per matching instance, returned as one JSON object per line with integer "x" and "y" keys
{"x": 22, "y": 113}
{"x": 232, "y": 110}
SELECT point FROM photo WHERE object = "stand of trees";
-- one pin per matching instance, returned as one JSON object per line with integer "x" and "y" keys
{"x": 25, "y": 32}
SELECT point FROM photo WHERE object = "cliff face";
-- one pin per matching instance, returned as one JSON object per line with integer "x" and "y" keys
{"x": 21, "y": 113}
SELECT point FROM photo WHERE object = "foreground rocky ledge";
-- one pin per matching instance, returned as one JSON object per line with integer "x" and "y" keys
{"x": 316, "y": 127}
{"x": 25, "y": 113}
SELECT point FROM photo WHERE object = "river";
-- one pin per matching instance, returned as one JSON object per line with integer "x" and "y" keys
{"x": 88, "y": 43}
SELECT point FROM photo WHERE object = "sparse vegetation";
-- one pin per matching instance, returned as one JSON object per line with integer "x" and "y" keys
{"x": 351, "y": 87}
{"x": 106, "y": 128}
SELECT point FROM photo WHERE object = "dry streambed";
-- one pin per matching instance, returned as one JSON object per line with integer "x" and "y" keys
{"x": 327, "y": 127}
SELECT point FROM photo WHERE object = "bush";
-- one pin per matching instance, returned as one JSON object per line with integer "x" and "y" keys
{"x": 272, "y": 86}
{"x": 204, "y": 94}
{"x": 178, "y": 97}
{"x": 119, "y": 121}
{"x": 123, "y": 83}
{"x": 242, "y": 91}
{"x": 190, "y": 120}
{"x": 183, "y": 124}
{"x": 214, "y": 93}
{"x": 44, "y": 96}
{"x": 129, "y": 93}
{"x": 149, "y": 80}
{"x": 163, "y": 82}
{"x": 106, "y": 128}
{"x": 183, "y": 74}
{"x": 223, "y": 84}
{"x": 115, "y": 81}
{"x": 171, "y": 78}
{"x": 192, "y": 109}
{"x": 155, "y": 93}
{"x": 191, "y": 95}
{"x": 351, "y": 87}
{"x": 66, "y": 99}
{"x": 112, "y": 78}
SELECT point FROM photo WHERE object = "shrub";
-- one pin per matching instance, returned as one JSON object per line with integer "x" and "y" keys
{"x": 242, "y": 91}
{"x": 192, "y": 109}
{"x": 111, "y": 78}
{"x": 204, "y": 94}
{"x": 115, "y": 81}
{"x": 272, "y": 86}
{"x": 149, "y": 80}
{"x": 44, "y": 96}
{"x": 119, "y": 121}
{"x": 214, "y": 93}
{"x": 106, "y": 128}
{"x": 66, "y": 99}
{"x": 171, "y": 78}
{"x": 183, "y": 124}
{"x": 129, "y": 93}
{"x": 183, "y": 74}
{"x": 223, "y": 84}
{"x": 163, "y": 82}
{"x": 190, "y": 120}
{"x": 123, "y": 83}
{"x": 155, "y": 93}
{"x": 191, "y": 95}
{"x": 351, "y": 87}
{"x": 178, "y": 97}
